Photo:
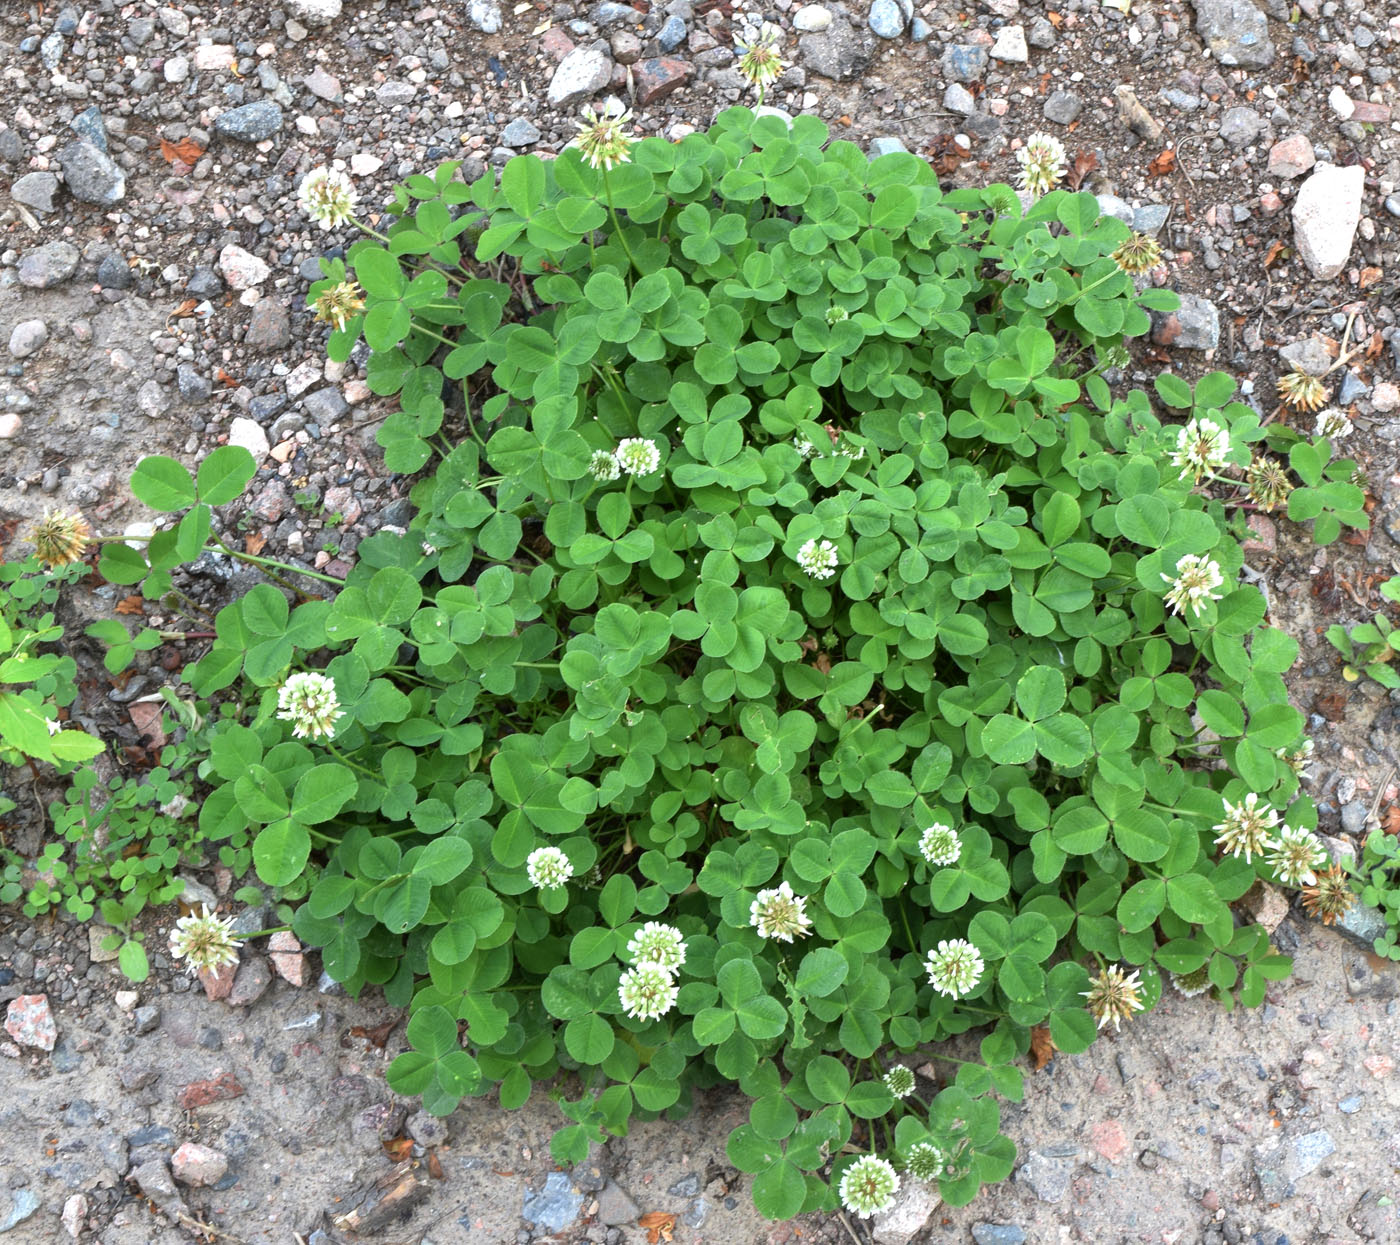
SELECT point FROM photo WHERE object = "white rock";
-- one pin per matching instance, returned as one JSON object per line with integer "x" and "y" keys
{"x": 10, "y": 426}
{"x": 127, "y": 999}
{"x": 194, "y": 1164}
{"x": 177, "y": 69}
{"x": 913, "y": 1208}
{"x": 362, "y": 164}
{"x": 75, "y": 1210}
{"x": 767, "y": 110}
{"x": 583, "y": 72}
{"x": 811, "y": 18}
{"x": 1011, "y": 45}
{"x": 249, "y": 434}
{"x": 215, "y": 56}
{"x": 1341, "y": 103}
{"x": 242, "y": 270}
{"x": 1325, "y": 216}
{"x": 314, "y": 12}
{"x": 28, "y": 338}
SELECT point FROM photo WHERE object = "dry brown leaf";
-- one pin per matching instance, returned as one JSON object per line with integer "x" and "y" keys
{"x": 229, "y": 382}
{"x": 399, "y": 1148}
{"x": 435, "y": 1166}
{"x": 376, "y": 1035}
{"x": 659, "y": 1224}
{"x": 1042, "y": 1046}
{"x": 1276, "y": 248}
{"x": 1084, "y": 164}
{"x": 186, "y": 151}
{"x": 1056, "y": 19}
{"x": 1162, "y": 163}
{"x": 1390, "y": 823}
{"x": 823, "y": 662}
{"x": 253, "y": 543}
{"x": 1373, "y": 350}
{"x": 130, "y": 605}
{"x": 1369, "y": 277}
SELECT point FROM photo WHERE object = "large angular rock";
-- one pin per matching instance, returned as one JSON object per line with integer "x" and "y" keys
{"x": 1325, "y": 216}
{"x": 913, "y": 1208}
{"x": 48, "y": 265}
{"x": 251, "y": 123}
{"x": 1195, "y": 325}
{"x": 1235, "y": 31}
{"x": 92, "y": 175}
{"x": 840, "y": 52}
{"x": 582, "y": 73}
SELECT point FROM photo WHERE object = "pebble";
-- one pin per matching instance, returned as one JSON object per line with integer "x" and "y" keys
{"x": 322, "y": 85}
{"x": 269, "y": 327}
{"x": 1010, "y": 45}
{"x": 1340, "y": 103}
{"x": 1150, "y": 218}
{"x": 1354, "y": 814}
{"x": 287, "y": 959}
{"x": 393, "y": 94}
{"x": 146, "y": 1019}
{"x": 672, "y": 34}
{"x": 957, "y": 98}
{"x": 520, "y": 133}
{"x": 23, "y": 1203}
{"x": 658, "y": 77}
{"x": 811, "y": 18}
{"x": 250, "y": 983}
{"x": 964, "y": 62}
{"x": 36, "y": 191}
{"x": 484, "y": 15}
{"x": 887, "y": 19}
{"x": 28, "y": 337}
{"x": 46, "y": 266}
{"x": 615, "y": 1207}
{"x": 75, "y": 1211}
{"x": 1236, "y": 32}
{"x": 1048, "y": 1178}
{"x": 1291, "y": 157}
{"x": 197, "y": 1165}
{"x": 582, "y": 73}
{"x": 314, "y": 12}
{"x": 1238, "y": 126}
{"x": 555, "y": 1206}
{"x": 997, "y": 1234}
{"x": 1194, "y": 326}
{"x": 10, "y": 426}
{"x": 219, "y": 1089}
{"x": 914, "y": 1205}
{"x": 241, "y": 269}
{"x": 1325, "y": 216}
{"x": 29, "y": 1021}
{"x": 250, "y": 123}
{"x": 114, "y": 273}
{"x": 885, "y": 145}
{"x": 1062, "y": 107}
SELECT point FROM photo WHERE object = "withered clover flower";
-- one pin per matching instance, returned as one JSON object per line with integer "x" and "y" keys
{"x": 1114, "y": 995}
{"x": 759, "y": 61}
{"x": 1138, "y": 254}
{"x": 204, "y": 941}
{"x": 1268, "y": 483}
{"x": 60, "y": 537}
{"x": 1301, "y": 391}
{"x": 1330, "y": 897}
{"x": 339, "y": 304}
{"x": 602, "y": 140}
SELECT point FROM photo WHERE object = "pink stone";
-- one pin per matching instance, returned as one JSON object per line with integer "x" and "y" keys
{"x": 556, "y": 43}
{"x": 1110, "y": 1140}
{"x": 202, "y": 1093}
{"x": 1385, "y": 397}
{"x": 1379, "y": 1066}
{"x": 30, "y": 1022}
{"x": 1291, "y": 157}
{"x": 658, "y": 77}
{"x": 1265, "y": 537}
{"x": 285, "y": 953}
{"x": 194, "y": 1164}
{"x": 217, "y": 984}
{"x": 146, "y": 717}
{"x": 1270, "y": 204}
{"x": 1368, "y": 113}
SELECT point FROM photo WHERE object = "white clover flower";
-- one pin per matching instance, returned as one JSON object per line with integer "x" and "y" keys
{"x": 637, "y": 456}
{"x": 804, "y": 447}
{"x": 1113, "y": 995}
{"x": 1296, "y": 856}
{"x": 204, "y": 941}
{"x": 339, "y": 304}
{"x": 899, "y": 1081}
{"x": 655, "y": 943}
{"x": 647, "y": 991}
{"x": 940, "y": 845}
{"x": 954, "y": 967}
{"x": 759, "y": 61}
{"x": 924, "y": 1161}
{"x": 1201, "y": 447}
{"x": 819, "y": 559}
{"x": 603, "y": 466}
{"x": 1196, "y": 575}
{"x": 548, "y": 868}
{"x": 1248, "y": 828}
{"x": 868, "y": 1186}
{"x": 308, "y": 700}
{"x": 601, "y": 138}
{"x": 780, "y": 914}
{"x": 1299, "y": 758}
{"x": 1042, "y": 162}
{"x": 428, "y": 550}
{"x": 1333, "y": 424}
{"x": 836, "y": 315}
{"x": 327, "y": 196}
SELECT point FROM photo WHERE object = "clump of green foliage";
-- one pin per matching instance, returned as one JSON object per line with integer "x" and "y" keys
{"x": 799, "y": 586}
{"x": 1370, "y": 648}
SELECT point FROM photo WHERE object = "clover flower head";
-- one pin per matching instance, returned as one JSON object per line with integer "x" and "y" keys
{"x": 1189, "y": 985}
{"x": 899, "y": 1081}
{"x": 1330, "y": 896}
{"x": 1191, "y": 589}
{"x": 940, "y": 845}
{"x": 655, "y": 943}
{"x": 1296, "y": 856}
{"x": 779, "y": 914}
{"x": 759, "y": 61}
{"x": 647, "y": 991}
{"x": 954, "y": 967}
{"x": 818, "y": 558}
{"x": 548, "y": 868}
{"x": 1301, "y": 391}
{"x": 204, "y": 941}
{"x": 1299, "y": 758}
{"x": 603, "y": 466}
{"x": 924, "y": 1161}
{"x": 1042, "y": 162}
{"x": 1333, "y": 424}
{"x": 1201, "y": 446}
{"x": 429, "y": 550}
{"x": 835, "y": 315}
{"x": 308, "y": 700}
{"x": 868, "y": 1186}
{"x": 636, "y": 456}
{"x": 60, "y": 537}
{"x": 1268, "y": 482}
{"x": 804, "y": 447}
{"x": 602, "y": 140}
{"x": 1114, "y": 995}
{"x": 1138, "y": 254}
{"x": 339, "y": 304}
{"x": 1248, "y": 828}
{"x": 327, "y": 196}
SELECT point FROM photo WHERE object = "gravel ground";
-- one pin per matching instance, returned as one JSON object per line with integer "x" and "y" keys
{"x": 152, "y": 285}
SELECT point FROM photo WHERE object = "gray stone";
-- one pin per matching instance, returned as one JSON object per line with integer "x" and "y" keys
{"x": 811, "y": 18}
{"x": 555, "y": 1206}
{"x": 114, "y": 273}
{"x": 1010, "y": 46}
{"x": 1150, "y": 218}
{"x": 592, "y": 1174}
{"x": 325, "y": 406}
{"x": 1041, "y": 33}
{"x": 1240, "y": 126}
{"x": 146, "y": 1019}
{"x": 92, "y": 176}
{"x": 1047, "y": 1177}
{"x": 840, "y": 52}
{"x": 28, "y": 337}
{"x": 671, "y": 35}
{"x": 484, "y": 15}
{"x": 394, "y": 93}
{"x": 51, "y": 51}
{"x": 887, "y": 19}
{"x": 1350, "y": 1105}
{"x": 610, "y": 13}
{"x": 250, "y": 982}
{"x": 322, "y": 85}
{"x": 1062, "y": 107}
{"x": 686, "y": 1186}
{"x": 914, "y": 1205}
{"x": 884, "y": 145}
{"x": 1304, "y": 1154}
{"x": 964, "y": 62}
{"x": 204, "y": 283}
{"x": 582, "y": 73}
{"x": 919, "y": 30}
{"x": 520, "y": 133}
{"x": 997, "y": 1234}
{"x": 48, "y": 265}
{"x": 1308, "y": 355}
{"x": 1353, "y": 388}
{"x": 1194, "y": 326}
{"x": 1325, "y": 216}
{"x": 23, "y": 1203}
{"x": 427, "y": 1130}
{"x": 1235, "y": 31}
{"x": 1112, "y": 205}
{"x": 192, "y": 384}
{"x": 152, "y": 400}
{"x": 615, "y": 1207}
{"x": 1363, "y": 924}
{"x": 251, "y": 123}
{"x": 153, "y": 1179}
{"x": 957, "y": 98}
{"x": 314, "y": 12}
{"x": 35, "y": 191}
{"x": 89, "y": 126}
{"x": 269, "y": 327}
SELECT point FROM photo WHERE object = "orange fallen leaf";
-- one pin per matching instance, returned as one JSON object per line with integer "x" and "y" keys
{"x": 659, "y": 1225}
{"x": 435, "y": 1166}
{"x": 1373, "y": 350}
{"x": 253, "y": 543}
{"x": 1056, "y": 19}
{"x": 1390, "y": 823}
{"x": 1275, "y": 250}
{"x": 225, "y": 379}
{"x": 378, "y": 1035}
{"x": 1042, "y": 1046}
{"x": 186, "y": 151}
{"x": 130, "y": 605}
{"x": 1162, "y": 163}
{"x": 1369, "y": 277}
{"x": 399, "y": 1148}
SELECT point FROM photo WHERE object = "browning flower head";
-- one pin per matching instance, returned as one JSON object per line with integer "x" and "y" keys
{"x": 1330, "y": 897}
{"x": 1299, "y": 758}
{"x": 1192, "y": 983}
{"x": 339, "y": 304}
{"x": 602, "y": 140}
{"x": 327, "y": 196}
{"x": 1114, "y": 995}
{"x": 204, "y": 941}
{"x": 1301, "y": 391}
{"x": 1268, "y": 482}
{"x": 1042, "y": 162}
{"x": 1138, "y": 254}
{"x": 60, "y": 537}
{"x": 759, "y": 61}
{"x": 1333, "y": 424}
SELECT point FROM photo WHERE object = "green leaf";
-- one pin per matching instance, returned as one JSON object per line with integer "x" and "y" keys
{"x": 1008, "y": 740}
{"x": 1040, "y": 692}
{"x": 821, "y": 972}
{"x": 321, "y": 792}
{"x": 280, "y": 852}
{"x": 163, "y": 484}
{"x": 224, "y": 474}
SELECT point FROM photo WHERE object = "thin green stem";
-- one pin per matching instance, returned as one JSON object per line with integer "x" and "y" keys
{"x": 353, "y": 764}
{"x": 617, "y": 224}
{"x": 363, "y": 228}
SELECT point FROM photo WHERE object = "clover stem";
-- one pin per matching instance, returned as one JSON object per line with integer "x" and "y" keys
{"x": 363, "y": 228}
{"x": 353, "y": 764}
{"x": 617, "y": 224}
{"x": 263, "y": 933}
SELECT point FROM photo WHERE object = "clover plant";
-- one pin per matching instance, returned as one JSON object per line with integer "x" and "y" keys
{"x": 799, "y": 656}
